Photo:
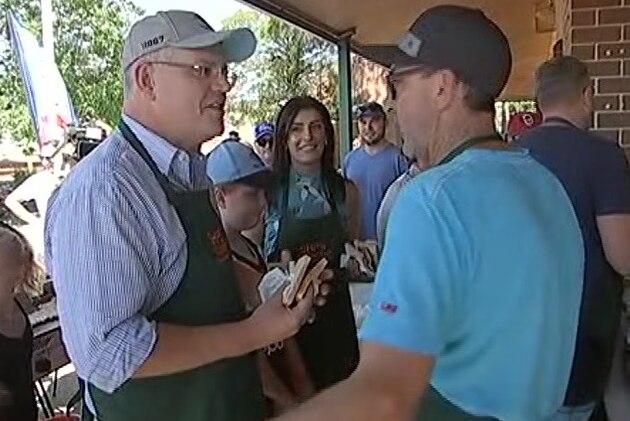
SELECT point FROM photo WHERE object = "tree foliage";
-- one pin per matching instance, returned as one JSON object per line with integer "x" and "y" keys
{"x": 88, "y": 48}
{"x": 288, "y": 62}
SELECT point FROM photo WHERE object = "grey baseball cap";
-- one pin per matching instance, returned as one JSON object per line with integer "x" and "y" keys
{"x": 183, "y": 29}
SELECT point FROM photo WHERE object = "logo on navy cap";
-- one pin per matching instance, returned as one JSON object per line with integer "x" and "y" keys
{"x": 410, "y": 44}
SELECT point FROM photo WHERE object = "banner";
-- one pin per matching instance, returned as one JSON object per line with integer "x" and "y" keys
{"x": 49, "y": 103}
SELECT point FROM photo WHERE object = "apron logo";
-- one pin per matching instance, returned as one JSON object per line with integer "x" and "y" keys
{"x": 219, "y": 243}
{"x": 389, "y": 308}
{"x": 316, "y": 251}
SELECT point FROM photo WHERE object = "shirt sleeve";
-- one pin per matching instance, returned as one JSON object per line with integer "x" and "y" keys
{"x": 418, "y": 286}
{"x": 611, "y": 187}
{"x": 102, "y": 258}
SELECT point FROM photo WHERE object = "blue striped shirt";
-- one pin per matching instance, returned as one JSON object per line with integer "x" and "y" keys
{"x": 116, "y": 251}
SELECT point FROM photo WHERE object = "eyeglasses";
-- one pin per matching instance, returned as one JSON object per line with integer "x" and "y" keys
{"x": 204, "y": 72}
{"x": 394, "y": 76}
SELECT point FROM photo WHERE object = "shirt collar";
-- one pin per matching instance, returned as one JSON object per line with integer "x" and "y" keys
{"x": 159, "y": 149}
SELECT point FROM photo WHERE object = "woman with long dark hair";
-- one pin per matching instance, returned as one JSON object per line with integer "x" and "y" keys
{"x": 313, "y": 210}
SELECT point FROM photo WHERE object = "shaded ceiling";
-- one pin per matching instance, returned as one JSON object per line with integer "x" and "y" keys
{"x": 527, "y": 23}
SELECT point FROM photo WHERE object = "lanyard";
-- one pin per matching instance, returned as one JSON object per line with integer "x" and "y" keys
{"x": 467, "y": 145}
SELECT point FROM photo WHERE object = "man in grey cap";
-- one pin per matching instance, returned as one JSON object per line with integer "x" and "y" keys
{"x": 150, "y": 310}
{"x": 476, "y": 300}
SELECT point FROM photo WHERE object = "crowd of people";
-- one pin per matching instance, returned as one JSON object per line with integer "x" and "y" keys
{"x": 500, "y": 275}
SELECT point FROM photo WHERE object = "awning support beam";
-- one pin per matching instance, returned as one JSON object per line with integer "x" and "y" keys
{"x": 345, "y": 96}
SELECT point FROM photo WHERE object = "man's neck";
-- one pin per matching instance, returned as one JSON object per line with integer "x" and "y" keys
{"x": 565, "y": 115}
{"x": 376, "y": 147}
{"x": 153, "y": 124}
{"x": 456, "y": 134}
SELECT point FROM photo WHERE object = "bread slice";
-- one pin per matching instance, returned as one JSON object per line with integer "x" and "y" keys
{"x": 297, "y": 276}
{"x": 368, "y": 252}
{"x": 312, "y": 277}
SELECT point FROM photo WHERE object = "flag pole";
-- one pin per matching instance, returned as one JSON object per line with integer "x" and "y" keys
{"x": 48, "y": 37}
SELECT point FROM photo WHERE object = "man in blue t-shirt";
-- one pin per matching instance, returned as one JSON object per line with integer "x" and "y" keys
{"x": 476, "y": 301}
{"x": 595, "y": 174}
{"x": 373, "y": 166}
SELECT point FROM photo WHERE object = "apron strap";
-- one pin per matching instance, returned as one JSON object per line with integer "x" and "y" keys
{"x": 137, "y": 146}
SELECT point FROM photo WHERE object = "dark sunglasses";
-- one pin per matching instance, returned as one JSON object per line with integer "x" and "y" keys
{"x": 395, "y": 75}
{"x": 264, "y": 141}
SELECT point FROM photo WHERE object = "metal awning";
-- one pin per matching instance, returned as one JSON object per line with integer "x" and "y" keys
{"x": 527, "y": 23}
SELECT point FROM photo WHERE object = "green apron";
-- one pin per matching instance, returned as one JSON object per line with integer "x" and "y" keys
{"x": 228, "y": 390}
{"x": 329, "y": 346}
{"x": 434, "y": 407}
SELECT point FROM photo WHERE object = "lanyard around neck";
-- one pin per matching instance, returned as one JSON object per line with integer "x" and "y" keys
{"x": 467, "y": 144}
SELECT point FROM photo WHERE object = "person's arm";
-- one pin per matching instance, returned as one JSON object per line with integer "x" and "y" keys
{"x": 354, "y": 211}
{"x": 104, "y": 262}
{"x": 414, "y": 307}
{"x": 614, "y": 231}
{"x": 387, "y": 385}
{"x": 22, "y": 193}
{"x": 611, "y": 190}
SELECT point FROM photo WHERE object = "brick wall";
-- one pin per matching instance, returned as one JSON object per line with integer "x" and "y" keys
{"x": 599, "y": 34}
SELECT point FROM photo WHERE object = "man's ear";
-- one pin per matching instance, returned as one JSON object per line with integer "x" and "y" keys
{"x": 587, "y": 97}
{"x": 144, "y": 80}
{"x": 445, "y": 88}
{"x": 219, "y": 196}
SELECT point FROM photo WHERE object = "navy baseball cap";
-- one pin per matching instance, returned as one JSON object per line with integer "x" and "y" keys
{"x": 457, "y": 38}
{"x": 236, "y": 162}
{"x": 369, "y": 109}
{"x": 263, "y": 129}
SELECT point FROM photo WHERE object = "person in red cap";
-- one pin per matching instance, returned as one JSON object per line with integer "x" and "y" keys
{"x": 522, "y": 122}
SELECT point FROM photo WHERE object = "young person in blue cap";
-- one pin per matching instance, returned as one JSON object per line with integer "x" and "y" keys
{"x": 240, "y": 180}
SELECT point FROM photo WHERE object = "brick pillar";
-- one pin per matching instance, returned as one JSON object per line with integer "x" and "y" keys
{"x": 599, "y": 34}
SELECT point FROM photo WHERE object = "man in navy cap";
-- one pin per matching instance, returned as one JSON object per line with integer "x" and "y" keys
{"x": 263, "y": 141}
{"x": 374, "y": 165}
{"x": 476, "y": 300}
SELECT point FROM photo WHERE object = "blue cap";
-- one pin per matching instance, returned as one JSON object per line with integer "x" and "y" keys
{"x": 232, "y": 162}
{"x": 263, "y": 129}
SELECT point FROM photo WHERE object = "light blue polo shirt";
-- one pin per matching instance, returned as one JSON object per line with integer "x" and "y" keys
{"x": 482, "y": 268}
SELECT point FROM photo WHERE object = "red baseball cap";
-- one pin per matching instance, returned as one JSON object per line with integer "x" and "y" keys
{"x": 523, "y": 121}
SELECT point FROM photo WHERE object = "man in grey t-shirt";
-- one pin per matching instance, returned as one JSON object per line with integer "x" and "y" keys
{"x": 388, "y": 202}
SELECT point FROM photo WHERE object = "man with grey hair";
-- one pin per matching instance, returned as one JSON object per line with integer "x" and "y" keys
{"x": 595, "y": 174}
{"x": 150, "y": 309}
